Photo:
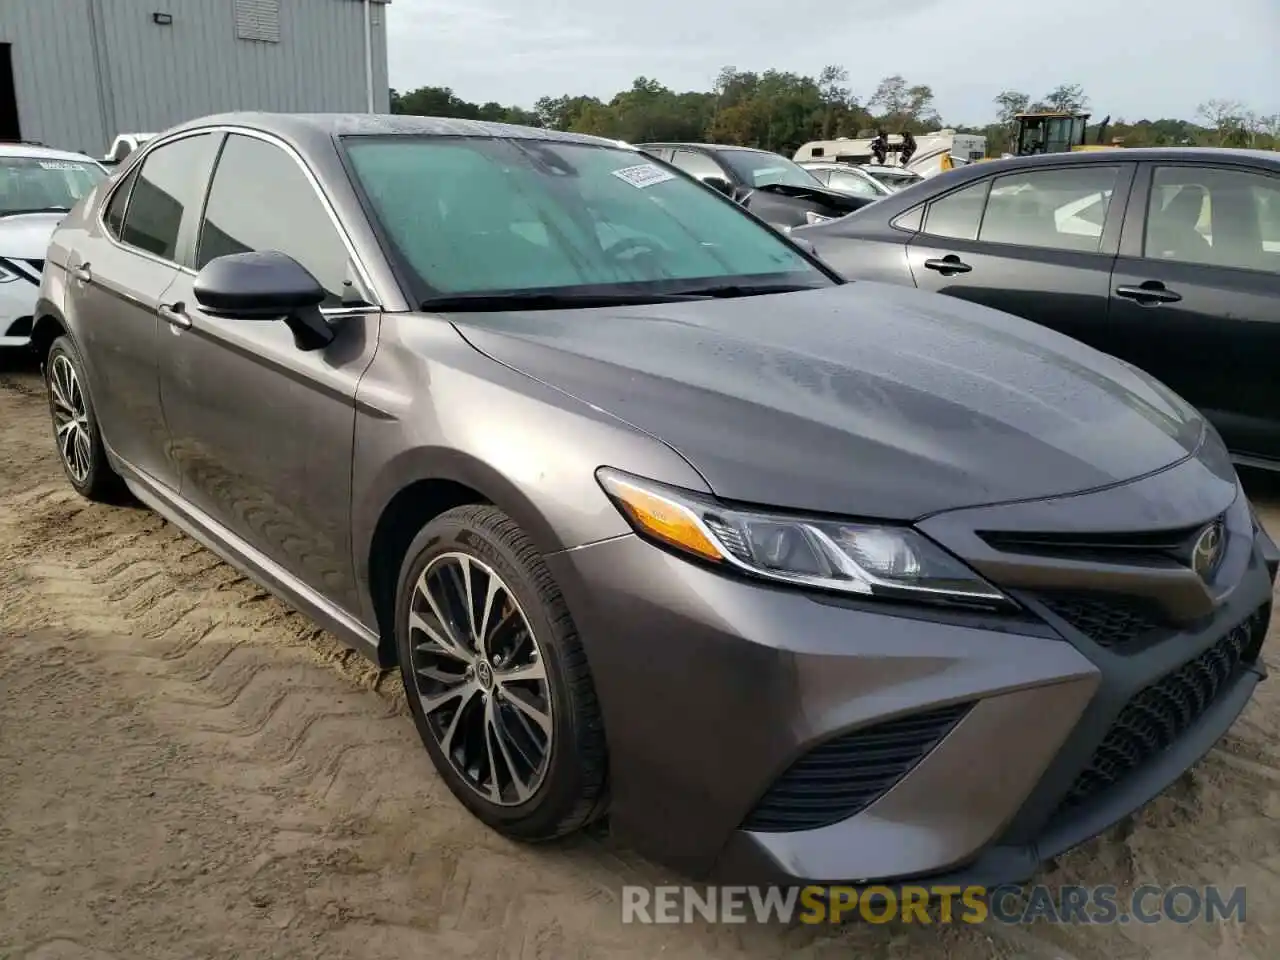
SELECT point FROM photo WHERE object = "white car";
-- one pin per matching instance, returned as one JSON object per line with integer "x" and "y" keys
{"x": 38, "y": 187}
{"x": 847, "y": 178}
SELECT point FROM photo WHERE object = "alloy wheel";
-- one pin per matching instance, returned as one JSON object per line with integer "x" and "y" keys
{"x": 481, "y": 678}
{"x": 70, "y": 418}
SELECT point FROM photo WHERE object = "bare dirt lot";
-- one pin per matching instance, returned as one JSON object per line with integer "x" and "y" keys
{"x": 190, "y": 769}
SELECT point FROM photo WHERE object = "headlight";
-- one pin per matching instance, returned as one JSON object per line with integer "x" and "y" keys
{"x": 880, "y": 560}
{"x": 7, "y": 276}
{"x": 812, "y": 218}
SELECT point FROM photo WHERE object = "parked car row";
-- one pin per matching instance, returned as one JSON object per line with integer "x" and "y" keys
{"x": 777, "y": 190}
{"x": 658, "y": 515}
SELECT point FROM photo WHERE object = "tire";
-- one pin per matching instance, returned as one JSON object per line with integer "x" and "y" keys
{"x": 569, "y": 789}
{"x": 80, "y": 449}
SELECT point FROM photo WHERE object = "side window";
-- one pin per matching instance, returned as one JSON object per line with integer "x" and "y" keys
{"x": 171, "y": 182}
{"x": 697, "y": 164}
{"x": 113, "y": 216}
{"x": 1061, "y": 209}
{"x": 910, "y": 220}
{"x": 262, "y": 200}
{"x": 957, "y": 215}
{"x": 1220, "y": 217}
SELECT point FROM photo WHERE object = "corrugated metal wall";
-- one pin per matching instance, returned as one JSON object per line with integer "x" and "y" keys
{"x": 155, "y": 76}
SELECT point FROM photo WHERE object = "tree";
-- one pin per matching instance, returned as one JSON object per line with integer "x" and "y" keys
{"x": 902, "y": 106}
{"x": 1010, "y": 103}
{"x": 891, "y": 96}
{"x": 1227, "y": 118}
{"x": 1067, "y": 98}
{"x": 777, "y": 110}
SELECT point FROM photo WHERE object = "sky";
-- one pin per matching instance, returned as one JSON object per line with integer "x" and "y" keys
{"x": 1134, "y": 59}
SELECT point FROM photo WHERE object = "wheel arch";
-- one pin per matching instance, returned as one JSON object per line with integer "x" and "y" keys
{"x": 49, "y": 326}
{"x": 410, "y": 492}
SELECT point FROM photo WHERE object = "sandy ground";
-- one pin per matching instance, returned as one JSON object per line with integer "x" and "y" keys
{"x": 189, "y": 769}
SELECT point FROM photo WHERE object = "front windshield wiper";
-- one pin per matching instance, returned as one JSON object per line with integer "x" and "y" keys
{"x": 17, "y": 213}
{"x": 752, "y": 290}
{"x": 549, "y": 301}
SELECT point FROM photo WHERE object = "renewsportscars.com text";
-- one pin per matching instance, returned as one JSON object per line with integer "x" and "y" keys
{"x": 1146, "y": 904}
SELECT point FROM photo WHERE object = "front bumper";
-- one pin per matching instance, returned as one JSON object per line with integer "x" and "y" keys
{"x": 725, "y": 700}
{"x": 17, "y": 304}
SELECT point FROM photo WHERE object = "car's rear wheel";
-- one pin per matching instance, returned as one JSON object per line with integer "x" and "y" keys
{"x": 75, "y": 425}
{"x": 496, "y": 677}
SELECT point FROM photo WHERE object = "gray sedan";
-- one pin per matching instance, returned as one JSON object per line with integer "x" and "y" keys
{"x": 658, "y": 518}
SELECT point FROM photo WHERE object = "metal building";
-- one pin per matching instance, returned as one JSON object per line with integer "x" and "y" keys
{"x": 75, "y": 73}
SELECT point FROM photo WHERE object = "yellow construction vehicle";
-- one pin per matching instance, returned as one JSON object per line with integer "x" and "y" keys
{"x": 1055, "y": 132}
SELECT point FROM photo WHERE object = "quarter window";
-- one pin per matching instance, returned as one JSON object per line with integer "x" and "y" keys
{"x": 262, "y": 200}
{"x": 170, "y": 182}
{"x": 957, "y": 215}
{"x": 1055, "y": 209}
{"x": 114, "y": 215}
{"x": 1219, "y": 217}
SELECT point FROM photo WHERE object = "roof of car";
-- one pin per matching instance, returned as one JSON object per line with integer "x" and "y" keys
{"x": 311, "y": 126}
{"x": 1132, "y": 153}
{"x": 9, "y": 148}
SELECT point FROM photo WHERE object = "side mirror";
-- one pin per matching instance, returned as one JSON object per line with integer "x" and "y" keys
{"x": 265, "y": 285}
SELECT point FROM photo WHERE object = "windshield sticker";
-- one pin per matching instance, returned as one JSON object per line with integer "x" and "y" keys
{"x": 643, "y": 175}
{"x": 61, "y": 165}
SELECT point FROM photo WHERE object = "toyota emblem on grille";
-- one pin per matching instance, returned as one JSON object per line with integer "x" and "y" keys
{"x": 1207, "y": 550}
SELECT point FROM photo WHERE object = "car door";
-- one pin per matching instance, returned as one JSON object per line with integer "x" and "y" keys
{"x": 263, "y": 430}
{"x": 1195, "y": 296}
{"x": 118, "y": 280}
{"x": 1038, "y": 243}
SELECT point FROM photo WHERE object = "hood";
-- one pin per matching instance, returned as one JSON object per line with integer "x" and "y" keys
{"x": 25, "y": 236}
{"x": 864, "y": 400}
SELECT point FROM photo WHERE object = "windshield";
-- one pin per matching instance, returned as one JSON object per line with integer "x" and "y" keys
{"x": 492, "y": 216}
{"x": 41, "y": 183}
{"x": 761, "y": 169}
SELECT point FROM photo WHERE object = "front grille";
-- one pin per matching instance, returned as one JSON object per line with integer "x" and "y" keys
{"x": 1160, "y": 548}
{"x": 1162, "y": 712}
{"x": 1109, "y": 620}
{"x": 844, "y": 776}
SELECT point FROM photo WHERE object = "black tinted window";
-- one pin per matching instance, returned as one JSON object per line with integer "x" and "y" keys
{"x": 957, "y": 215}
{"x": 262, "y": 200}
{"x": 171, "y": 181}
{"x": 114, "y": 215}
{"x": 1215, "y": 216}
{"x": 1056, "y": 209}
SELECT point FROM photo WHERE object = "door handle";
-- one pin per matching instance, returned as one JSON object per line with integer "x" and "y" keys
{"x": 82, "y": 273}
{"x": 948, "y": 265}
{"x": 175, "y": 314}
{"x": 1149, "y": 294}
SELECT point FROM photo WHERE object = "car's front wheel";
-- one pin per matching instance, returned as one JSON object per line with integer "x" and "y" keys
{"x": 496, "y": 677}
{"x": 75, "y": 425}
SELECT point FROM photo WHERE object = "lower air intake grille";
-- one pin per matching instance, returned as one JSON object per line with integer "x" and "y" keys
{"x": 843, "y": 776}
{"x": 1116, "y": 623}
{"x": 1161, "y": 713}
